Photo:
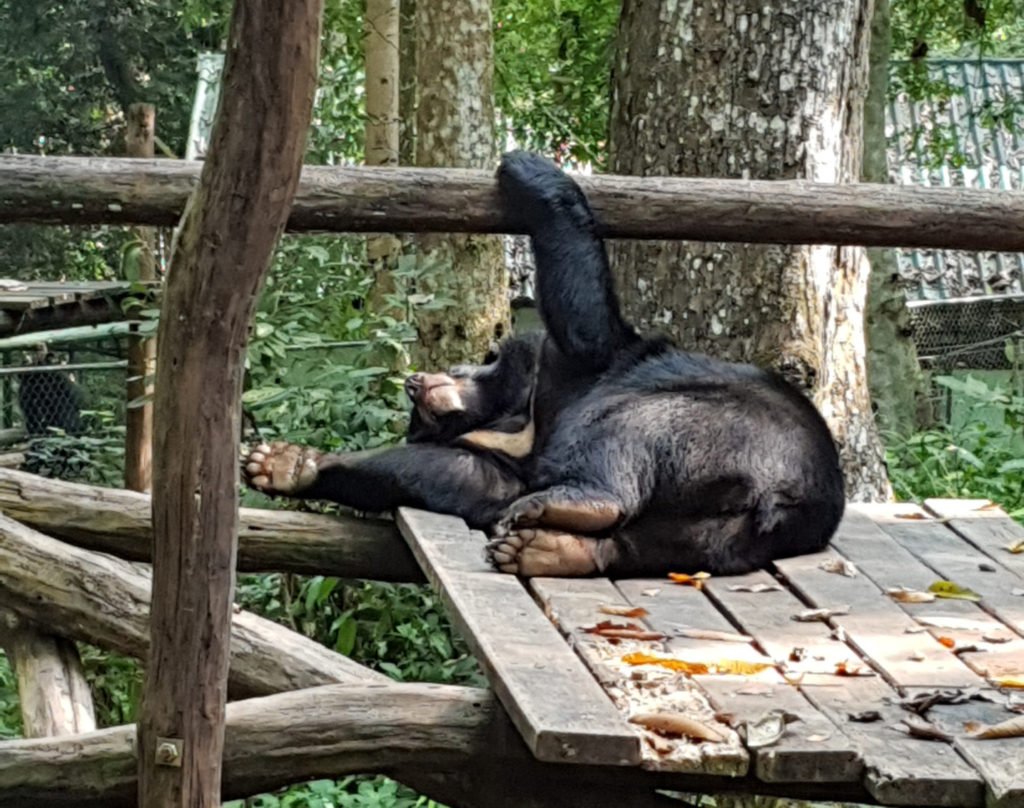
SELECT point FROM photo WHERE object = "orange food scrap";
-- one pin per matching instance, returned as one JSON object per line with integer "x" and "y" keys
{"x": 949, "y": 642}
{"x": 678, "y": 724}
{"x": 623, "y": 631}
{"x": 1015, "y": 681}
{"x": 733, "y": 666}
{"x": 624, "y": 611}
{"x": 683, "y": 579}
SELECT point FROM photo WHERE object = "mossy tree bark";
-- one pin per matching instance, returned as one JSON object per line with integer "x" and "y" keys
{"x": 894, "y": 373}
{"x": 760, "y": 90}
{"x": 455, "y": 127}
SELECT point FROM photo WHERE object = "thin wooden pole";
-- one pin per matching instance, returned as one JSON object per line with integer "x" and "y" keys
{"x": 138, "y": 448}
{"x": 225, "y": 243}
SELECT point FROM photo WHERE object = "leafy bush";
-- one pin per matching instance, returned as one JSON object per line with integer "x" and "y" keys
{"x": 980, "y": 458}
{"x": 351, "y": 792}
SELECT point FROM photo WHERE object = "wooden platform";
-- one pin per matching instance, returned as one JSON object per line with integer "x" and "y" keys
{"x": 34, "y": 306}
{"x": 810, "y": 680}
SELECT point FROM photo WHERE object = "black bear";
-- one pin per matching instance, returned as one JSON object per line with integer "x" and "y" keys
{"x": 590, "y": 449}
{"x": 49, "y": 399}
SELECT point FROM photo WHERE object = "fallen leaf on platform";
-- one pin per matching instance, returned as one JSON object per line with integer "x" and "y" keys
{"x": 903, "y": 595}
{"x": 1015, "y": 682}
{"x": 916, "y": 656}
{"x": 996, "y": 638}
{"x": 650, "y": 593}
{"x": 711, "y": 634}
{"x": 677, "y": 724}
{"x": 865, "y": 717}
{"x": 948, "y": 589}
{"x": 848, "y": 667}
{"x": 755, "y": 689}
{"x": 1016, "y": 548}
{"x": 839, "y": 566}
{"x": 952, "y": 623}
{"x": 1011, "y": 728}
{"x": 734, "y": 666}
{"x": 1018, "y": 591}
{"x": 918, "y": 727}
{"x": 814, "y": 615}
{"x": 755, "y": 588}
{"x": 915, "y": 515}
{"x": 924, "y": 700}
{"x": 623, "y": 611}
{"x": 623, "y": 631}
{"x": 968, "y": 649}
{"x": 683, "y": 579}
{"x": 988, "y": 506}
{"x": 768, "y": 729}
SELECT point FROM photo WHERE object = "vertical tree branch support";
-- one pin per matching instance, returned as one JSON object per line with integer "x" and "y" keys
{"x": 227, "y": 235}
{"x": 138, "y": 441}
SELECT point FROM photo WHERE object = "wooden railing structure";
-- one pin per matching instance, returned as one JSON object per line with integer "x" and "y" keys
{"x": 72, "y": 558}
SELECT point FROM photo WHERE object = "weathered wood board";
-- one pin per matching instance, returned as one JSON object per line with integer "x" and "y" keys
{"x": 557, "y": 706}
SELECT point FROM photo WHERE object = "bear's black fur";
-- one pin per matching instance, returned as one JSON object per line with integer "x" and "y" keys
{"x": 650, "y": 458}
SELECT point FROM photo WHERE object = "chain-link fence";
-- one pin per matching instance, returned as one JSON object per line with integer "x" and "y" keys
{"x": 53, "y": 391}
{"x": 968, "y": 334}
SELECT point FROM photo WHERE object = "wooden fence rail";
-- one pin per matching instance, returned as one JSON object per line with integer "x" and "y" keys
{"x": 91, "y": 190}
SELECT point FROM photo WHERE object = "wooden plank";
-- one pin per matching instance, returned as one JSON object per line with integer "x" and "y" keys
{"x": 1000, "y": 761}
{"x": 22, "y": 301}
{"x": 953, "y": 559}
{"x": 899, "y": 770}
{"x": 984, "y": 525}
{"x": 575, "y": 604}
{"x": 561, "y": 712}
{"x": 879, "y": 629}
{"x": 890, "y": 565}
{"x": 812, "y": 750}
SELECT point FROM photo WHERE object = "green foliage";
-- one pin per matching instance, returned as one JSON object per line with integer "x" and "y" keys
{"x": 116, "y": 684}
{"x": 351, "y": 792}
{"x": 981, "y": 458}
{"x": 10, "y": 712}
{"x": 552, "y": 73}
{"x": 967, "y": 28}
{"x": 95, "y": 457}
{"x": 399, "y": 629}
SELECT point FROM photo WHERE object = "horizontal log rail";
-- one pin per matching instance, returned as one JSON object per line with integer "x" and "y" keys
{"x": 119, "y": 522}
{"x": 93, "y": 190}
{"x": 105, "y": 601}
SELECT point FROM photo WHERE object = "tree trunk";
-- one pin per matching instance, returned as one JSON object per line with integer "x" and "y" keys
{"x": 762, "y": 90}
{"x": 225, "y": 243}
{"x": 138, "y": 441}
{"x": 381, "y": 49}
{"x": 466, "y": 275}
{"x": 894, "y": 373}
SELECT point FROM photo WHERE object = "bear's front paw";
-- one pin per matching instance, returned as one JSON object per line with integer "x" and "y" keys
{"x": 280, "y": 468}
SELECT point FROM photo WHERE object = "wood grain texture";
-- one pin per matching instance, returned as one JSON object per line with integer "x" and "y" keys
{"x": 561, "y": 712}
{"x": 812, "y": 749}
{"x": 92, "y": 190}
{"x": 104, "y": 600}
{"x": 53, "y": 694}
{"x": 120, "y": 522}
{"x": 899, "y": 770}
{"x": 984, "y": 525}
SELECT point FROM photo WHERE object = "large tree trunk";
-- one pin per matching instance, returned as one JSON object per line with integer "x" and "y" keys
{"x": 225, "y": 243}
{"x": 381, "y": 49}
{"x": 761, "y": 90}
{"x": 894, "y": 373}
{"x": 455, "y": 127}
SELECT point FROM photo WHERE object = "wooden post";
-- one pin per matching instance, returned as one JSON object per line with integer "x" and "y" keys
{"x": 228, "y": 233}
{"x": 138, "y": 445}
{"x": 54, "y": 697}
